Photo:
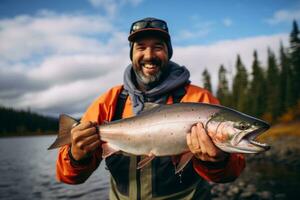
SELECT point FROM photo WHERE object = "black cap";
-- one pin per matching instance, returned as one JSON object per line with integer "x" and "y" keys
{"x": 150, "y": 26}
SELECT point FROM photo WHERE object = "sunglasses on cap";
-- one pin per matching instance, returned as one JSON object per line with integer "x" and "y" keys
{"x": 149, "y": 23}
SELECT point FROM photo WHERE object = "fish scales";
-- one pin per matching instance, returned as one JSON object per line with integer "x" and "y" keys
{"x": 149, "y": 132}
{"x": 161, "y": 130}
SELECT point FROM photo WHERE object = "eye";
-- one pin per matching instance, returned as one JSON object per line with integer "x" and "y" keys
{"x": 242, "y": 125}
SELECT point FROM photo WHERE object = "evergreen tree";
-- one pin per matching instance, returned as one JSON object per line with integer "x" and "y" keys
{"x": 257, "y": 89}
{"x": 272, "y": 87}
{"x": 286, "y": 93}
{"x": 223, "y": 90}
{"x": 206, "y": 80}
{"x": 240, "y": 86}
{"x": 295, "y": 59}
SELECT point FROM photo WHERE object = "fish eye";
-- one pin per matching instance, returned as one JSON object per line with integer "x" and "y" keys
{"x": 242, "y": 125}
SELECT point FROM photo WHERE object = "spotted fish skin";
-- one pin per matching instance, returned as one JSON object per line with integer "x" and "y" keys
{"x": 161, "y": 130}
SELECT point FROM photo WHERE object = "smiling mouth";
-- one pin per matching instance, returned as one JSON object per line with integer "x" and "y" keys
{"x": 150, "y": 69}
{"x": 150, "y": 66}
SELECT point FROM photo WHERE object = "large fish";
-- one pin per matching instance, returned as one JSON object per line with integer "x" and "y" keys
{"x": 160, "y": 130}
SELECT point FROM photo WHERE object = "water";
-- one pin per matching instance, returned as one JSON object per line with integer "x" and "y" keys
{"x": 27, "y": 171}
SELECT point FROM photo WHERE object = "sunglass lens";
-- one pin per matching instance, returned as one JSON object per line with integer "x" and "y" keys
{"x": 139, "y": 25}
{"x": 158, "y": 24}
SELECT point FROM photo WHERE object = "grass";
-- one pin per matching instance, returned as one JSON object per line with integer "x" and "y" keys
{"x": 278, "y": 131}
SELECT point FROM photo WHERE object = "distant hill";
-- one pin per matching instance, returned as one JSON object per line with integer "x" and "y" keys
{"x": 21, "y": 122}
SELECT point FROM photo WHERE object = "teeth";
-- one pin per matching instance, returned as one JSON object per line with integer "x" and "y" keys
{"x": 149, "y": 66}
{"x": 257, "y": 143}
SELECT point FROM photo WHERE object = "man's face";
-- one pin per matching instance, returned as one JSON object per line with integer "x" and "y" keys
{"x": 149, "y": 59}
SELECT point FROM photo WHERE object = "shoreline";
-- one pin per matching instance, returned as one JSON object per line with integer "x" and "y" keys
{"x": 7, "y": 135}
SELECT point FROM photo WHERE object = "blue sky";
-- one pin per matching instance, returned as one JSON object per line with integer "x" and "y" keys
{"x": 57, "y": 56}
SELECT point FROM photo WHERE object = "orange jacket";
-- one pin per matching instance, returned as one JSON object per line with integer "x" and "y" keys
{"x": 103, "y": 109}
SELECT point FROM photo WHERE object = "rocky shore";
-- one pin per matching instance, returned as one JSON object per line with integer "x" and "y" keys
{"x": 272, "y": 175}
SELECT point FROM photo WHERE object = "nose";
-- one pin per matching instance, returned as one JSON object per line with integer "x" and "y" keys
{"x": 149, "y": 54}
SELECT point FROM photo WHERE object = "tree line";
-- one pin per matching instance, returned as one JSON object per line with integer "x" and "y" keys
{"x": 22, "y": 122}
{"x": 269, "y": 92}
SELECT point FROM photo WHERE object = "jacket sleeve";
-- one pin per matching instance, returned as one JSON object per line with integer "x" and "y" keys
{"x": 67, "y": 170}
{"x": 220, "y": 172}
{"x": 71, "y": 173}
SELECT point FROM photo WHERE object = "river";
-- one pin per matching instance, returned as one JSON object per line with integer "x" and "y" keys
{"x": 27, "y": 171}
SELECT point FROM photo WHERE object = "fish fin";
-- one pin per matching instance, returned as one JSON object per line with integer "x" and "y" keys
{"x": 107, "y": 150}
{"x": 183, "y": 161}
{"x": 149, "y": 106}
{"x": 145, "y": 161}
{"x": 66, "y": 123}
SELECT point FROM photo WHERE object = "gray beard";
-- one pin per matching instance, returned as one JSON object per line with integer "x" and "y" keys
{"x": 148, "y": 79}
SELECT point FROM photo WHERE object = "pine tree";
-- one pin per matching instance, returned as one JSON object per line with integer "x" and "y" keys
{"x": 295, "y": 59}
{"x": 240, "y": 86}
{"x": 272, "y": 87}
{"x": 286, "y": 93}
{"x": 257, "y": 89}
{"x": 206, "y": 80}
{"x": 223, "y": 91}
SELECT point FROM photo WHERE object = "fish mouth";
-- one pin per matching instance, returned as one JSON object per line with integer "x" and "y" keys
{"x": 247, "y": 143}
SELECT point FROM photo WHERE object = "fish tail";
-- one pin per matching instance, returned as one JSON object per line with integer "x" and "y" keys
{"x": 66, "y": 123}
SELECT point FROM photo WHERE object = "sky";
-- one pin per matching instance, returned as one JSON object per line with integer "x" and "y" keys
{"x": 58, "y": 56}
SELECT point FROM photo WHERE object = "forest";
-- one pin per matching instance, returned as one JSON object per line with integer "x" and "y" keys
{"x": 25, "y": 122}
{"x": 269, "y": 92}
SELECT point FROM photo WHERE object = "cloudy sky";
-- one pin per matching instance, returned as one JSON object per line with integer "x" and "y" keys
{"x": 57, "y": 56}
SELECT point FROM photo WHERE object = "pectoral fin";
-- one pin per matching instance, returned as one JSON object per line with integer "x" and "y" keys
{"x": 145, "y": 161}
{"x": 183, "y": 161}
{"x": 107, "y": 150}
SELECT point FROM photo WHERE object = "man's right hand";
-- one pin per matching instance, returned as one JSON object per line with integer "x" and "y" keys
{"x": 85, "y": 139}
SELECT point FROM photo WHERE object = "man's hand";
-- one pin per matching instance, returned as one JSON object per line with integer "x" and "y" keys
{"x": 202, "y": 146}
{"x": 84, "y": 138}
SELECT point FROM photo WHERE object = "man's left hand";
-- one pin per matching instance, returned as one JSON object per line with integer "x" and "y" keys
{"x": 202, "y": 147}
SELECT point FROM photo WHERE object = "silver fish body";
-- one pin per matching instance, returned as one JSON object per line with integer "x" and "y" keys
{"x": 161, "y": 131}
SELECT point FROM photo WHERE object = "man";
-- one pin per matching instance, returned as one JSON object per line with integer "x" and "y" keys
{"x": 151, "y": 77}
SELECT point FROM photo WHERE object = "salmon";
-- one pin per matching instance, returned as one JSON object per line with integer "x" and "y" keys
{"x": 160, "y": 130}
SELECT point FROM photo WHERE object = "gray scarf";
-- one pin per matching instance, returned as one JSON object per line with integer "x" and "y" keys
{"x": 178, "y": 77}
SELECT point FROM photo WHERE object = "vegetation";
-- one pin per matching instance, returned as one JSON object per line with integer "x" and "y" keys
{"x": 271, "y": 92}
{"x": 22, "y": 122}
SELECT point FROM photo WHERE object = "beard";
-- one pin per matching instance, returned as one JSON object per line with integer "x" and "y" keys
{"x": 150, "y": 79}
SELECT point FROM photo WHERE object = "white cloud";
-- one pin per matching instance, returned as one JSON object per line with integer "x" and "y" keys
{"x": 112, "y": 6}
{"x": 58, "y": 63}
{"x": 46, "y": 58}
{"x": 198, "y": 57}
{"x": 284, "y": 16}
{"x": 199, "y": 30}
{"x": 25, "y": 36}
{"x": 227, "y": 22}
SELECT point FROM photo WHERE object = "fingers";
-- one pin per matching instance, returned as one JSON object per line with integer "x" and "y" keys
{"x": 84, "y": 125}
{"x": 85, "y": 138}
{"x": 79, "y": 134}
{"x": 85, "y": 143}
{"x": 205, "y": 142}
{"x": 201, "y": 145}
{"x": 195, "y": 139}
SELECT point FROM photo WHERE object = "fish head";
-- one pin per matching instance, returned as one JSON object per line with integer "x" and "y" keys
{"x": 235, "y": 132}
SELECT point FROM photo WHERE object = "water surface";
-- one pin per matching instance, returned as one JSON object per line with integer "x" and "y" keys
{"x": 27, "y": 171}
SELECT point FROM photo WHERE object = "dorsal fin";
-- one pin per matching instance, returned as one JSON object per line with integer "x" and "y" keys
{"x": 149, "y": 106}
